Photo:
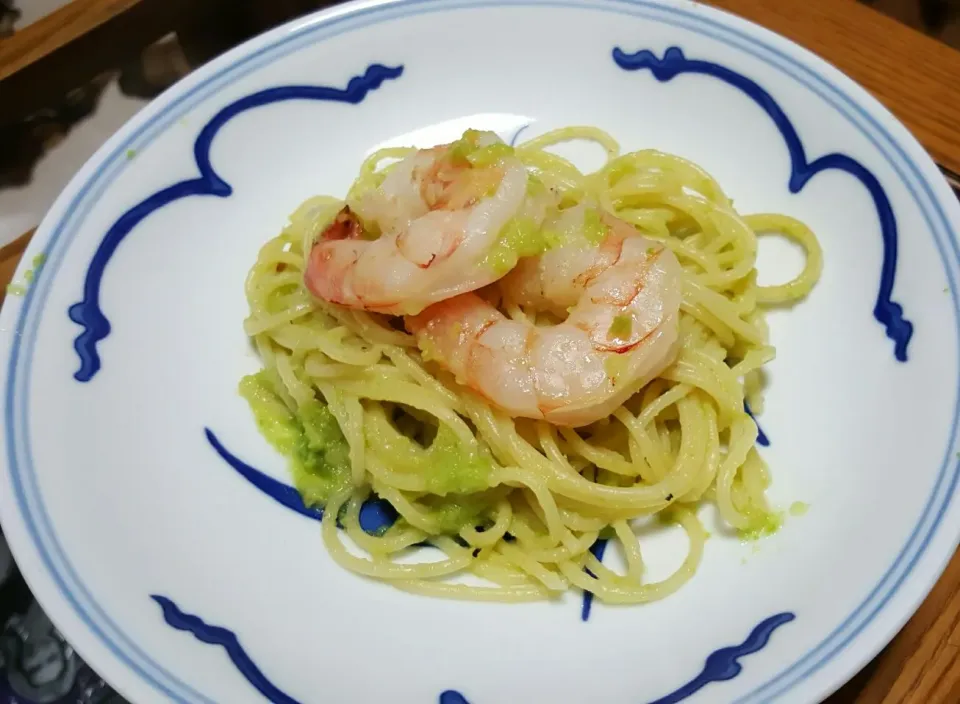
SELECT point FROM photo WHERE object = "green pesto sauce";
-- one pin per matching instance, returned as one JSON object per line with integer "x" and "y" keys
{"x": 762, "y": 525}
{"x": 593, "y": 233}
{"x": 593, "y": 228}
{"x": 457, "y": 477}
{"x": 489, "y": 155}
{"x": 621, "y": 327}
{"x": 451, "y": 514}
{"x": 520, "y": 237}
{"x": 465, "y": 146}
{"x": 274, "y": 420}
{"x": 448, "y": 466}
{"x": 767, "y": 523}
{"x": 466, "y": 150}
{"x": 310, "y": 438}
{"x": 452, "y": 468}
{"x": 28, "y": 276}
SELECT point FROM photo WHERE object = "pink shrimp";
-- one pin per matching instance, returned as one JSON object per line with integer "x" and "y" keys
{"x": 439, "y": 216}
{"x": 621, "y": 331}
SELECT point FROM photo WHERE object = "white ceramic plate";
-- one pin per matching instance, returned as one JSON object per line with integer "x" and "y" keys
{"x": 128, "y": 345}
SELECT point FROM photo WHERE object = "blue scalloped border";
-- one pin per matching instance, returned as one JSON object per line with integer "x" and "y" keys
{"x": 226, "y": 639}
{"x": 87, "y": 312}
{"x": 759, "y": 45}
{"x": 721, "y": 665}
{"x": 674, "y": 63}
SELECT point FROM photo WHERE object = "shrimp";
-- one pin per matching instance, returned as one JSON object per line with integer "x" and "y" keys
{"x": 622, "y": 329}
{"x": 439, "y": 215}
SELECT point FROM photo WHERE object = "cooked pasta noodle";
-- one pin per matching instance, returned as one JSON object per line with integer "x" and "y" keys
{"x": 512, "y": 506}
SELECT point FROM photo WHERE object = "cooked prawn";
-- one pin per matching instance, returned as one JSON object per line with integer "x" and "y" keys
{"x": 439, "y": 216}
{"x": 621, "y": 331}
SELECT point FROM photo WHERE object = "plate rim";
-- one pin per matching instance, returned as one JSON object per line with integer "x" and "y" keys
{"x": 103, "y": 167}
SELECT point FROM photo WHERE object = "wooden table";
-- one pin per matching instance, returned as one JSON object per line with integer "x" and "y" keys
{"x": 918, "y": 79}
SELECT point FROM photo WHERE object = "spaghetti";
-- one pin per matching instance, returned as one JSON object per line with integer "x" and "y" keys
{"x": 514, "y": 504}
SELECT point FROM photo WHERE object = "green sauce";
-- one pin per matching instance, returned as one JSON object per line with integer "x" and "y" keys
{"x": 447, "y": 466}
{"x": 762, "y": 525}
{"x": 464, "y": 147}
{"x": 28, "y": 276}
{"x": 520, "y": 237}
{"x": 274, "y": 420}
{"x": 451, "y": 468}
{"x": 621, "y": 327}
{"x": 310, "y": 438}
{"x": 451, "y": 514}
{"x": 457, "y": 477}
{"x": 489, "y": 155}
{"x": 593, "y": 228}
{"x": 466, "y": 151}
